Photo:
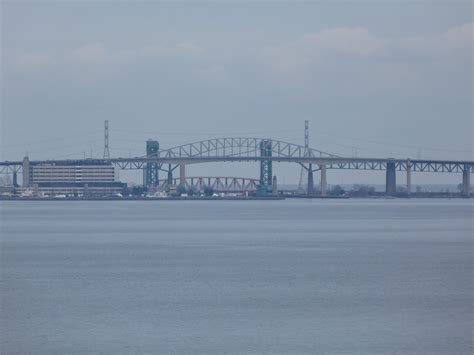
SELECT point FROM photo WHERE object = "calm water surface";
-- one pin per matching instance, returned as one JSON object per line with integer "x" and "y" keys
{"x": 237, "y": 277}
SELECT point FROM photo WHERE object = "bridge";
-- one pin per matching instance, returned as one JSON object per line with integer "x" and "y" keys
{"x": 263, "y": 151}
{"x": 216, "y": 183}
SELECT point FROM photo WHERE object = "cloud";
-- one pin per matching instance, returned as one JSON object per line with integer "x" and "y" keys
{"x": 343, "y": 41}
{"x": 342, "y": 57}
{"x": 90, "y": 53}
{"x": 456, "y": 39}
{"x": 212, "y": 75}
{"x": 295, "y": 61}
{"x": 189, "y": 49}
{"x": 31, "y": 62}
{"x": 182, "y": 50}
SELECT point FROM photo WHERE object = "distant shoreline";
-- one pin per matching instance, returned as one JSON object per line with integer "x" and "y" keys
{"x": 227, "y": 198}
{"x": 189, "y": 198}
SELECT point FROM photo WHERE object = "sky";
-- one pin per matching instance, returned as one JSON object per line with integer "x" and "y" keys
{"x": 374, "y": 79}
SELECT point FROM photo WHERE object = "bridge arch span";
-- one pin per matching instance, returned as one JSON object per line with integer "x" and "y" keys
{"x": 244, "y": 147}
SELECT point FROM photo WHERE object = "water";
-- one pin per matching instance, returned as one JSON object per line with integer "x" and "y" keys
{"x": 233, "y": 277}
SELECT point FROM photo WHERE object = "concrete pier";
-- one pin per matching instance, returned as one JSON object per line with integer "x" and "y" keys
{"x": 26, "y": 172}
{"x": 15, "y": 179}
{"x": 310, "y": 181}
{"x": 170, "y": 177}
{"x": 324, "y": 185}
{"x": 466, "y": 181}
{"x": 391, "y": 179}
{"x": 182, "y": 175}
{"x": 408, "y": 177}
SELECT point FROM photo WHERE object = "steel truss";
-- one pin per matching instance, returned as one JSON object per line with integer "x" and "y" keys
{"x": 239, "y": 147}
{"x": 249, "y": 149}
{"x": 217, "y": 183}
{"x": 10, "y": 169}
{"x": 430, "y": 166}
{"x": 401, "y": 165}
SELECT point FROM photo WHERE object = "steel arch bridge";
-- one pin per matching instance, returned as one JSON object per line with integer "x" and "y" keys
{"x": 237, "y": 148}
{"x": 240, "y": 147}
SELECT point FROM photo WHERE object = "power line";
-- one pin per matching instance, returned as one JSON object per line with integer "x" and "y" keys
{"x": 391, "y": 143}
{"x": 200, "y": 133}
{"x": 63, "y": 146}
{"x": 49, "y": 140}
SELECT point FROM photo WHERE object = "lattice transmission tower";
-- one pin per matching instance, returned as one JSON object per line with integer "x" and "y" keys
{"x": 303, "y": 183}
{"x": 106, "y": 140}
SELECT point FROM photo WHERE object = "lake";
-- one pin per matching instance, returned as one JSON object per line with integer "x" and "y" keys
{"x": 237, "y": 277}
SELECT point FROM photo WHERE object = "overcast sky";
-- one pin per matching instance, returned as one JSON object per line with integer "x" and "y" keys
{"x": 374, "y": 78}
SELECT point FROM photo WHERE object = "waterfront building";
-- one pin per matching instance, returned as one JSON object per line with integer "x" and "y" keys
{"x": 84, "y": 178}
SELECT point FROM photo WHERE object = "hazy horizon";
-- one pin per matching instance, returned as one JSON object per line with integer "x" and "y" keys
{"x": 373, "y": 79}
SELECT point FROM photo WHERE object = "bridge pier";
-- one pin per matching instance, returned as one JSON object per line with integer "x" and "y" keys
{"x": 324, "y": 185}
{"x": 182, "y": 175}
{"x": 408, "y": 177}
{"x": 391, "y": 179}
{"x": 266, "y": 172}
{"x": 170, "y": 176}
{"x": 466, "y": 181}
{"x": 310, "y": 189}
{"x": 26, "y": 172}
{"x": 151, "y": 170}
{"x": 15, "y": 179}
{"x": 274, "y": 185}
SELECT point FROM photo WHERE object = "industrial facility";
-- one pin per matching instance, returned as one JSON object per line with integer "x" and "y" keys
{"x": 74, "y": 178}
